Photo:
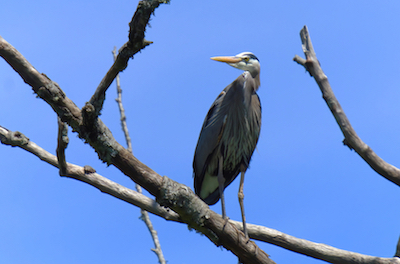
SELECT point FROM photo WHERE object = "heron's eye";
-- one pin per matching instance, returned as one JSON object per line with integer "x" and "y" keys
{"x": 246, "y": 59}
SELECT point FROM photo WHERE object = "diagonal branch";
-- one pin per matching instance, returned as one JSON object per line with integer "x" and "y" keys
{"x": 97, "y": 135}
{"x": 169, "y": 193}
{"x": 135, "y": 44}
{"x": 302, "y": 246}
{"x": 87, "y": 175}
{"x": 351, "y": 139}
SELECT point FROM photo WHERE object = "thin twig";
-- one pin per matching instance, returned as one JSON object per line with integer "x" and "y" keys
{"x": 351, "y": 139}
{"x": 121, "y": 109}
{"x": 143, "y": 214}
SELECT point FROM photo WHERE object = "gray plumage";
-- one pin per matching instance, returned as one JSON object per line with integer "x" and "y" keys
{"x": 230, "y": 131}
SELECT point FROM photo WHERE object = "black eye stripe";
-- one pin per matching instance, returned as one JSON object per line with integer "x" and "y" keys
{"x": 251, "y": 56}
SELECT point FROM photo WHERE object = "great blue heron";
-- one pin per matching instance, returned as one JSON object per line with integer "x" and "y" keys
{"x": 229, "y": 134}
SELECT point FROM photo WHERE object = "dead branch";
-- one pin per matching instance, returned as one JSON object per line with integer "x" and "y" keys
{"x": 351, "y": 139}
{"x": 302, "y": 246}
{"x": 178, "y": 197}
{"x": 88, "y": 175}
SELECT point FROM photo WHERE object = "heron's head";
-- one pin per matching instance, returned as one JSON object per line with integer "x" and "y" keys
{"x": 246, "y": 61}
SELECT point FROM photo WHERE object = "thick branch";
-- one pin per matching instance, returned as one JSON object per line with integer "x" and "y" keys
{"x": 43, "y": 86}
{"x": 316, "y": 250}
{"x": 110, "y": 151}
{"x": 352, "y": 140}
{"x": 197, "y": 214}
{"x": 98, "y": 135}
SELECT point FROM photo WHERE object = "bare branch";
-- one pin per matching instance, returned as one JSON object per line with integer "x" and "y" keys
{"x": 315, "y": 250}
{"x": 88, "y": 175}
{"x": 352, "y": 140}
{"x": 135, "y": 43}
{"x": 178, "y": 197}
{"x": 97, "y": 135}
{"x": 105, "y": 185}
{"x": 146, "y": 219}
{"x": 62, "y": 144}
{"x": 198, "y": 215}
{"x": 41, "y": 85}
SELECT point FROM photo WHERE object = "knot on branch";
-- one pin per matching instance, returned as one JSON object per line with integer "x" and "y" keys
{"x": 88, "y": 114}
{"x": 15, "y": 139}
{"x": 88, "y": 122}
{"x": 88, "y": 169}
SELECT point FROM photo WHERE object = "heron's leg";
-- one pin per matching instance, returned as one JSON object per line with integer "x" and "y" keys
{"x": 241, "y": 197}
{"x": 221, "y": 182}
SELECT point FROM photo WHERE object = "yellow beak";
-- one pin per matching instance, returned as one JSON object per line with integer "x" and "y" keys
{"x": 227, "y": 59}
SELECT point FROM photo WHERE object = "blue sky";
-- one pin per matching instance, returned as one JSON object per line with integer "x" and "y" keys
{"x": 302, "y": 180}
